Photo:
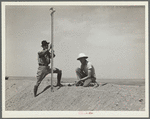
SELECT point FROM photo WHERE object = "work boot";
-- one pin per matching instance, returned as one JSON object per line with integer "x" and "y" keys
{"x": 58, "y": 84}
{"x": 35, "y": 90}
{"x": 96, "y": 85}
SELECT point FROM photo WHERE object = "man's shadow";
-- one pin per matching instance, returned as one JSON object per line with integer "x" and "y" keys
{"x": 44, "y": 90}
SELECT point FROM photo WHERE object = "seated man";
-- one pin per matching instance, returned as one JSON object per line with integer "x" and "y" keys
{"x": 86, "y": 73}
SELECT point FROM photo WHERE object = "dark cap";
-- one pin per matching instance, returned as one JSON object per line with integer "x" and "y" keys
{"x": 44, "y": 43}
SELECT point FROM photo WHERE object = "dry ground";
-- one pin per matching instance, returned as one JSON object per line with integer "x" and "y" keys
{"x": 116, "y": 95}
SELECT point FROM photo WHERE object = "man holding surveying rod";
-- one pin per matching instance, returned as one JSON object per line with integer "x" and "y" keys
{"x": 44, "y": 57}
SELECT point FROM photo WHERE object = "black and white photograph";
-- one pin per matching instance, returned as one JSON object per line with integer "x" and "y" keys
{"x": 75, "y": 59}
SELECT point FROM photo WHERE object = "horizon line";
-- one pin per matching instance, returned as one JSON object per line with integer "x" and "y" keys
{"x": 75, "y": 77}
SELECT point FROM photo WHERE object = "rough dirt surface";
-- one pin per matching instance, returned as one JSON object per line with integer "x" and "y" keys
{"x": 108, "y": 96}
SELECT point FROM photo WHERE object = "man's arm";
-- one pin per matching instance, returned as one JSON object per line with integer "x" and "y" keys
{"x": 50, "y": 54}
{"x": 43, "y": 52}
{"x": 88, "y": 76}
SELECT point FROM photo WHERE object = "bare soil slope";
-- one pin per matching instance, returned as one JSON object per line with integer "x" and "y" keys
{"x": 109, "y": 97}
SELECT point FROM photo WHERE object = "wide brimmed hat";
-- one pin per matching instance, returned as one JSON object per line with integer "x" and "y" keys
{"x": 44, "y": 42}
{"x": 82, "y": 55}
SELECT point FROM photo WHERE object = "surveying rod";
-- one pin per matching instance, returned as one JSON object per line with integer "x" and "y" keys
{"x": 52, "y": 52}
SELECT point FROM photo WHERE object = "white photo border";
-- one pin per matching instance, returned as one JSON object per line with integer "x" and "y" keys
{"x": 68, "y": 114}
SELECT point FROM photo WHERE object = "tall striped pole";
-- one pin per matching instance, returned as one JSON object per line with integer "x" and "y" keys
{"x": 52, "y": 48}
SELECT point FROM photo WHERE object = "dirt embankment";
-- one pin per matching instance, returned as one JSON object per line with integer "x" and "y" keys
{"x": 109, "y": 97}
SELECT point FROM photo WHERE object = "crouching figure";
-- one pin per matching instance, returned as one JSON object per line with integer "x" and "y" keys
{"x": 86, "y": 72}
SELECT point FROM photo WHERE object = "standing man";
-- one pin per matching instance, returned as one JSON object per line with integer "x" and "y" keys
{"x": 43, "y": 69}
{"x": 86, "y": 73}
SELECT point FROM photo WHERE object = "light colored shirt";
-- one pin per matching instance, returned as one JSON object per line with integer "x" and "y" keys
{"x": 88, "y": 66}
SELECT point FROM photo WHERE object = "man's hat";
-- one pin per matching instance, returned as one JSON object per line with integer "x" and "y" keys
{"x": 82, "y": 55}
{"x": 44, "y": 42}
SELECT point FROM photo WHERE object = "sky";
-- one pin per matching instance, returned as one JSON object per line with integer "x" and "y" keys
{"x": 113, "y": 37}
